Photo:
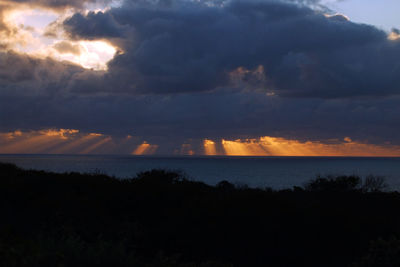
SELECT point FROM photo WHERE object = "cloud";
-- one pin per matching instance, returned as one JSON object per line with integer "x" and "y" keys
{"x": 96, "y": 24}
{"x": 65, "y": 47}
{"x": 12, "y": 34}
{"x": 189, "y": 71}
{"x": 8, "y": 33}
{"x": 23, "y": 75}
{"x": 222, "y": 114}
{"x": 56, "y": 4}
{"x": 189, "y": 47}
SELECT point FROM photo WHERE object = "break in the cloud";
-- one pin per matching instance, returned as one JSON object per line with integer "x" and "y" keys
{"x": 26, "y": 27}
{"x": 189, "y": 71}
{"x": 11, "y": 34}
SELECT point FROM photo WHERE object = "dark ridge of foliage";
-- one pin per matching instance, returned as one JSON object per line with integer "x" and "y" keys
{"x": 334, "y": 184}
{"x": 347, "y": 184}
{"x": 161, "y": 218}
{"x": 381, "y": 253}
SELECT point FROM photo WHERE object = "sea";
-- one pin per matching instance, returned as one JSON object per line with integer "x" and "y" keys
{"x": 274, "y": 172}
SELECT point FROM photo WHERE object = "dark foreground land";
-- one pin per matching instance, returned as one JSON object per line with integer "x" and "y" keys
{"x": 161, "y": 219}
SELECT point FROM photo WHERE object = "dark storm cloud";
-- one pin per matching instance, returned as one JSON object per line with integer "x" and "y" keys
{"x": 186, "y": 47}
{"x": 193, "y": 71}
{"x": 36, "y": 94}
{"x": 22, "y": 75}
{"x": 221, "y": 114}
{"x": 98, "y": 25}
{"x": 396, "y": 31}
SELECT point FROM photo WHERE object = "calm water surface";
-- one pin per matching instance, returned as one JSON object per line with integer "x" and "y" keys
{"x": 276, "y": 172}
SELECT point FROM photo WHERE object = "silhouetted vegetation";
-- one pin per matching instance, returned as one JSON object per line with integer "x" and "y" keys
{"x": 347, "y": 184}
{"x": 160, "y": 218}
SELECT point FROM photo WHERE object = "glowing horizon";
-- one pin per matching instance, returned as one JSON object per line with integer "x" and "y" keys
{"x": 73, "y": 141}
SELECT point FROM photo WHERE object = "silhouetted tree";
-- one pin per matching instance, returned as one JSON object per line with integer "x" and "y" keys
{"x": 374, "y": 184}
{"x": 337, "y": 184}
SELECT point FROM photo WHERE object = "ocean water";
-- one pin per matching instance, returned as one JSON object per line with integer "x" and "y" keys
{"x": 275, "y": 172}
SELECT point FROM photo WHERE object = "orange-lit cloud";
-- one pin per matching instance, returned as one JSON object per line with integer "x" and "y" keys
{"x": 62, "y": 133}
{"x": 255, "y": 78}
{"x": 394, "y": 35}
{"x": 241, "y": 73}
{"x": 13, "y": 135}
{"x": 338, "y": 16}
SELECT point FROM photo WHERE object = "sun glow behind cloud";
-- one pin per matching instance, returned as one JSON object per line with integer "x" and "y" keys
{"x": 88, "y": 54}
{"x": 30, "y": 36}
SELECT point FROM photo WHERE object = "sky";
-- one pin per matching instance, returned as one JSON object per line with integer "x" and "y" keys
{"x": 200, "y": 77}
{"x": 382, "y": 14}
